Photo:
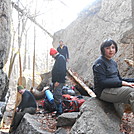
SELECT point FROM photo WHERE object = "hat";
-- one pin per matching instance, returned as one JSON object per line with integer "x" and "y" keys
{"x": 60, "y": 41}
{"x": 20, "y": 87}
{"x": 53, "y": 51}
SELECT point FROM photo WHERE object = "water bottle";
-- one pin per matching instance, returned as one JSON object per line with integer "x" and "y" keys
{"x": 49, "y": 96}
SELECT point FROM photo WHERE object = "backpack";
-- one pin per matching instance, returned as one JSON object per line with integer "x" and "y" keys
{"x": 68, "y": 90}
{"x": 49, "y": 107}
{"x": 72, "y": 103}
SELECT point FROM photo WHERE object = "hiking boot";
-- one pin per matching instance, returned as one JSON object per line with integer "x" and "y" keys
{"x": 12, "y": 130}
{"x": 58, "y": 114}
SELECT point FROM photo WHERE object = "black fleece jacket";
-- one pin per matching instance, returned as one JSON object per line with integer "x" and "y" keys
{"x": 106, "y": 75}
{"x": 28, "y": 100}
{"x": 63, "y": 51}
{"x": 59, "y": 69}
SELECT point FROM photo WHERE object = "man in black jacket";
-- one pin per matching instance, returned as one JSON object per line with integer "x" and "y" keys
{"x": 58, "y": 78}
{"x": 63, "y": 50}
{"x": 27, "y": 105}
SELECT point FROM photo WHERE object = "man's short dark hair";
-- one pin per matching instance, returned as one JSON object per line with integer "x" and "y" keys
{"x": 108, "y": 43}
{"x": 60, "y": 41}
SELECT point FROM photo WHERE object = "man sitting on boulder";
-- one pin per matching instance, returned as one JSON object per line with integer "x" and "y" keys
{"x": 108, "y": 84}
{"x": 27, "y": 105}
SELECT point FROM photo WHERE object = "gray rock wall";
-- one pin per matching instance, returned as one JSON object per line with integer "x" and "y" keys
{"x": 105, "y": 19}
{"x": 4, "y": 83}
{"x": 5, "y": 11}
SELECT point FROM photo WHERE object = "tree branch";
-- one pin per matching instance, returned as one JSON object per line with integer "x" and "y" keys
{"x": 30, "y": 17}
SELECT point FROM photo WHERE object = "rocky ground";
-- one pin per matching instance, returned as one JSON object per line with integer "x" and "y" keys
{"x": 91, "y": 114}
{"x": 50, "y": 123}
{"x": 94, "y": 114}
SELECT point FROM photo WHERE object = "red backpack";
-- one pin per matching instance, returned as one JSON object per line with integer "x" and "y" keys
{"x": 72, "y": 103}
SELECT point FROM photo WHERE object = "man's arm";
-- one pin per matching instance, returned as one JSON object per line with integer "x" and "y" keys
{"x": 67, "y": 52}
{"x": 61, "y": 69}
{"x": 24, "y": 101}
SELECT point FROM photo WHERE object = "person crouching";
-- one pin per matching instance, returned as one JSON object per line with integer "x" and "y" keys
{"x": 27, "y": 105}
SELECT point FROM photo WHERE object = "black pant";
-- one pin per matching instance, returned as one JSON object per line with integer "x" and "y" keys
{"x": 57, "y": 92}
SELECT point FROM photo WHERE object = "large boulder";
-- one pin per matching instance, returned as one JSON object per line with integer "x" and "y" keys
{"x": 61, "y": 131}
{"x": 97, "y": 117}
{"x": 30, "y": 125}
{"x": 67, "y": 119}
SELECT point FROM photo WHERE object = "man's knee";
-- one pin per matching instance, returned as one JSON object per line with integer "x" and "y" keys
{"x": 132, "y": 95}
{"x": 30, "y": 110}
{"x": 132, "y": 100}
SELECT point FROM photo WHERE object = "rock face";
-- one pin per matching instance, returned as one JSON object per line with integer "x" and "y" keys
{"x": 96, "y": 117}
{"x": 4, "y": 83}
{"x": 4, "y": 30}
{"x": 4, "y": 44}
{"x": 103, "y": 20}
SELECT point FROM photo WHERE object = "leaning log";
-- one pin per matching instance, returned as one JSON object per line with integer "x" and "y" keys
{"x": 81, "y": 83}
{"x": 129, "y": 62}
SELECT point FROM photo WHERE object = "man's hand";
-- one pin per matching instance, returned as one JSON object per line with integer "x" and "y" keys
{"x": 56, "y": 84}
{"x": 124, "y": 83}
{"x": 67, "y": 60}
{"x": 131, "y": 85}
{"x": 17, "y": 109}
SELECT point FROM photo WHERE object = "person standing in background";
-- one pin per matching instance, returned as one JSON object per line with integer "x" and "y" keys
{"x": 63, "y": 50}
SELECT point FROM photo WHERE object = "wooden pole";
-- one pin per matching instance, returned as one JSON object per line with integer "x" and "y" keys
{"x": 20, "y": 79}
{"x": 11, "y": 64}
{"x": 129, "y": 62}
{"x": 33, "y": 83}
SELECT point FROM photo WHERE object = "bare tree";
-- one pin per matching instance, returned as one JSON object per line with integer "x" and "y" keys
{"x": 33, "y": 83}
{"x": 13, "y": 55}
{"x": 31, "y": 18}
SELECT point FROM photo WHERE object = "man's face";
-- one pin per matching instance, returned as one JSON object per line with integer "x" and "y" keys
{"x": 53, "y": 56}
{"x": 61, "y": 43}
{"x": 21, "y": 91}
{"x": 110, "y": 51}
